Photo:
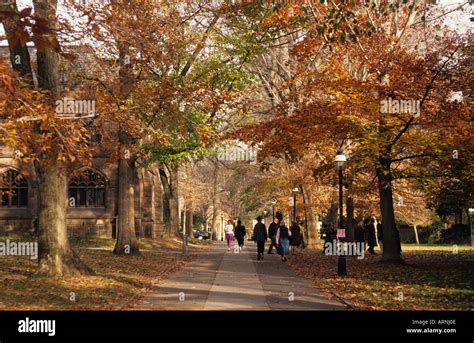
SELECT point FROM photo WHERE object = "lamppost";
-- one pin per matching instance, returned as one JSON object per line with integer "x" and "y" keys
{"x": 273, "y": 208}
{"x": 295, "y": 191}
{"x": 340, "y": 162}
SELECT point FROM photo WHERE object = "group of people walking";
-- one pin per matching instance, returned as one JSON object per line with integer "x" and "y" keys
{"x": 281, "y": 238}
{"x": 239, "y": 233}
{"x": 367, "y": 231}
{"x": 370, "y": 231}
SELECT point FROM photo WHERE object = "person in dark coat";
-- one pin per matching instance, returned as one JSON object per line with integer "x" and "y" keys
{"x": 379, "y": 233}
{"x": 329, "y": 234}
{"x": 371, "y": 236}
{"x": 272, "y": 232}
{"x": 359, "y": 232}
{"x": 296, "y": 238}
{"x": 240, "y": 233}
{"x": 366, "y": 228}
{"x": 260, "y": 236}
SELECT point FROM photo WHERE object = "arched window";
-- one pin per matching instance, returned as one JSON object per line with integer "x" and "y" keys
{"x": 87, "y": 189}
{"x": 13, "y": 189}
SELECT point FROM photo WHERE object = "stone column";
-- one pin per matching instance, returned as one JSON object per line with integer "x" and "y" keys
{"x": 139, "y": 203}
{"x": 148, "y": 205}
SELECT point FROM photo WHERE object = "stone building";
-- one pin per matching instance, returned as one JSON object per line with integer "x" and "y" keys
{"x": 94, "y": 190}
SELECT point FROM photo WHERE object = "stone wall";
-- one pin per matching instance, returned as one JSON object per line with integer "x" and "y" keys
{"x": 90, "y": 221}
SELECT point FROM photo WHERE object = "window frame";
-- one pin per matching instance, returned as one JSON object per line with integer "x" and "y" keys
{"x": 16, "y": 189}
{"x": 85, "y": 182}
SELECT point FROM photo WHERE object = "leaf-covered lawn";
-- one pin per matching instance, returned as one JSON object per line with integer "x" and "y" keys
{"x": 433, "y": 278}
{"x": 119, "y": 283}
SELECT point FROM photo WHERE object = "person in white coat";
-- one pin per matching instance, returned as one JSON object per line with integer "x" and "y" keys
{"x": 229, "y": 234}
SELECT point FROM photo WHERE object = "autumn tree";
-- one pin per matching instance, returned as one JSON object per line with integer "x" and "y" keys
{"x": 186, "y": 68}
{"x": 411, "y": 208}
{"x": 450, "y": 191}
{"x": 47, "y": 141}
{"x": 14, "y": 24}
{"x": 346, "y": 68}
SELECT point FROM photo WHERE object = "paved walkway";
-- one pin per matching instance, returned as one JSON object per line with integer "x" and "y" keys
{"x": 223, "y": 280}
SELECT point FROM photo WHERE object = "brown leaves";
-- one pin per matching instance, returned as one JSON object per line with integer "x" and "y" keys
{"x": 26, "y": 12}
{"x": 8, "y": 83}
{"x": 119, "y": 279}
{"x": 430, "y": 280}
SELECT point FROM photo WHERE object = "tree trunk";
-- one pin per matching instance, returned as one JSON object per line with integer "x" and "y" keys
{"x": 332, "y": 216}
{"x": 55, "y": 255}
{"x": 174, "y": 198}
{"x": 214, "y": 199}
{"x": 127, "y": 242}
{"x": 468, "y": 216}
{"x": 166, "y": 199}
{"x": 189, "y": 221}
{"x": 416, "y": 235}
{"x": 305, "y": 229}
{"x": 19, "y": 54}
{"x": 47, "y": 59}
{"x": 350, "y": 219}
{"x": 458, "y": 216}
{"x": 182, "y": 222}
{"x": 312, "y": 236}
{"x": 391, "y": 241}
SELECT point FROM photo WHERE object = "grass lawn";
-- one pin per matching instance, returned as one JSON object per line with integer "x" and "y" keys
{"x": 432, "y": 278}
{"x": 119, "y": 283}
